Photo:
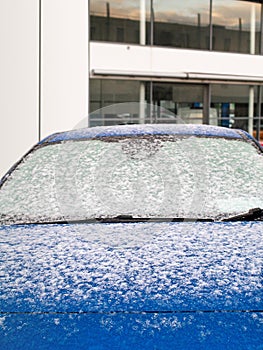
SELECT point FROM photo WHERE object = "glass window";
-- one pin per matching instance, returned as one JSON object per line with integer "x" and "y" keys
{"x": 122, "y": 102}
{"x": 118, "y": 20}
{"x": 233, "y": 105}
{"x": 236, "y": 26}
{"x": 170, "y": 102}
{"x": 105, "y": 93}
{"x": 181, "y": 23}
{"x": 184, "y": 100}
{"x": 142, "y": 176}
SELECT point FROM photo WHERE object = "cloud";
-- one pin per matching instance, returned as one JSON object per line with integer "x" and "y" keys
{"x": 225, "y": 15}
{"x": 229, "y": 16}
{"x": 118, "y": 8}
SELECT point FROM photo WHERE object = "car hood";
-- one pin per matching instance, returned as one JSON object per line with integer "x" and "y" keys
{"x": 131, "y": 267}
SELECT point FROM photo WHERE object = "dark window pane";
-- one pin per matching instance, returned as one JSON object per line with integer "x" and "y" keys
{"x": 185, "y": 101}
{"x": 236, "y": 26}
{"x": 105, "y": 93}
{"x": 181, "y": 23}
{"x": 232, "y": 105}
{"x": 115, "y": 20}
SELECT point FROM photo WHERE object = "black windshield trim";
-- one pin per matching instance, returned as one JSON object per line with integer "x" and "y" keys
{"x": 255, "y": 215}
{"x": 251, "y": 141}
{"x": 113, "y": 220}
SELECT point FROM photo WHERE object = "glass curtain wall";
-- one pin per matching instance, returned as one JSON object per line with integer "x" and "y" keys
{"x": 220, "y": 25}
{"x": 182, "y": 24}
{"x": 120, "y": 20}
{"x": 164, "y": 102}
{"x": 104, "y": 92}
{"x": 185, "y": 101}
{"x": 232, "y": 106}
{"x": 236, "y": 26}
{"x": 230, "y": 26}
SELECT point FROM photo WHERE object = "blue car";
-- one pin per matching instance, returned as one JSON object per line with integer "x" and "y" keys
{"x": 134, "y": 237}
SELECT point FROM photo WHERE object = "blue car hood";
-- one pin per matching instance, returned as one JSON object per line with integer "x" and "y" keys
{"x": 133, "y": 267}
{"x": 131, "y": 286}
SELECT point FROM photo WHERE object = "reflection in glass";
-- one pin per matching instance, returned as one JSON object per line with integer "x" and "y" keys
{"x": 117, "y": 20}
{"x": 232, "y": 105}
{"x": 182, "y": 103}
{"x": 236, "y": 26}
{"x": 109, "y": 92}
{"x": 184, "y": 100}
{"x": 181, "y": 23}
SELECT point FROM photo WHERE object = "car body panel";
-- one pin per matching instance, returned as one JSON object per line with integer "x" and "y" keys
{"x": 126, "y": 331}
{"x": 144, "y": 285}
{"x": 122, "y": 285}
{"x": 131, "y": 267}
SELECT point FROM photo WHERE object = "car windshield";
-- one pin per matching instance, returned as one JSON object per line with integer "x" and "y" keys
{"x": 140, "y": 176}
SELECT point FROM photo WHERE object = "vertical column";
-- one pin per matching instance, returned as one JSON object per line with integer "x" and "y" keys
{"x": 251, "y": 109}
{"x": 259, "y": 112}
{"x": 39, "y": 65}
{"x": 142, "y": 42}
{"x": 259, "y": 99}
{"x": 252, "y": 52}
{"x": 207, "y": 88}
{"x": 252, "y": 29}
{"x": 64, "y": 64}
{"x": 210, "y": 26}
{"x": 206, "y": 102}
{"x": 19, "y": 36}
{"x": 142, "y": 103}
{"x": 142, "y": 22}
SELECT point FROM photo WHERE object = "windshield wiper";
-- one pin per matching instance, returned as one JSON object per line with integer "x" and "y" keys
{"x": 252, "y": 215}
{"x": 130, "y": 218}
{"x": 109, "y": 220}
{"x": 120, "y": 219}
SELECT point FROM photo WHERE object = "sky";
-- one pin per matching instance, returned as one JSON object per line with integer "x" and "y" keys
{"x": 226, "y": 13}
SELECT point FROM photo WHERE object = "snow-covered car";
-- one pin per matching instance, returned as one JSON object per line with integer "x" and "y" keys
{"x": 134, "y": 237}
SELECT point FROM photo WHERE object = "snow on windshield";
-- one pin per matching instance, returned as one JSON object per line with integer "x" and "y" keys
{"x": 149, "y": 177}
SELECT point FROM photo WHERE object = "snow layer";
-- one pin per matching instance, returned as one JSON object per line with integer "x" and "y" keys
{"x": 145, "y": 177}
{"x": 131, "y": 267}
{"x": 146, "y": 129}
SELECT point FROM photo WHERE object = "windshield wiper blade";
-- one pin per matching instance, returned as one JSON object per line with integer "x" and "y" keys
{"x": 130, "y": 218}
{"x": 252, "y": 215}
{"x": 108, "y": 220}
{"x": 120, "y": 219}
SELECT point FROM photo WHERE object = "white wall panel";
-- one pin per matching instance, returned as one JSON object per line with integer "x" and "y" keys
{"x": 18, "y": 79}
{"x": 204, "y": 62}
{"x": 64, "y": 82}
{"x": 120, "y": 57}
{"x": 150, "y": 61}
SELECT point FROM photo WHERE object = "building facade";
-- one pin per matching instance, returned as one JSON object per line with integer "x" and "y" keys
{"x": 200, "y": 60}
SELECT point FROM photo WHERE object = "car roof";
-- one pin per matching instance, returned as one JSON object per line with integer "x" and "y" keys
{"x": 145, "y": 129}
